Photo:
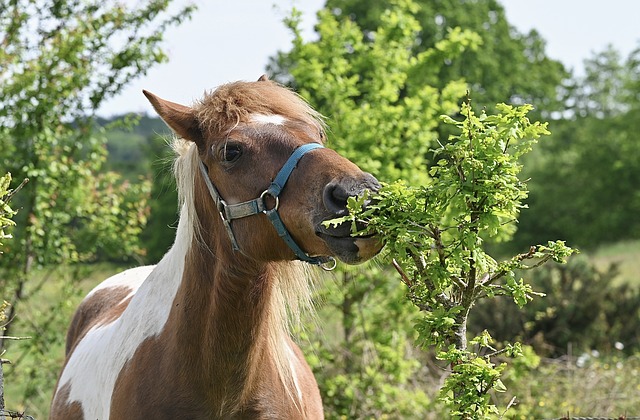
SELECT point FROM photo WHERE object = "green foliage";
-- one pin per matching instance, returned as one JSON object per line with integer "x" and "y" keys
{"x": 133, "y": 145}
{"x": 51, "y": 78}
{"x": 505, "y": 66}
{"x": 136, "y": 150}
{"x": 466, "y": 390}
{"x": 6, "y": 212}
{"x": 435, "y": 234}
{"x": 377, "y": 118}
{"x": 364, "y": 360}
{"x": 595, "y": 153}
{"x": 581, "y": 302}
{"x": 159, "y": 232}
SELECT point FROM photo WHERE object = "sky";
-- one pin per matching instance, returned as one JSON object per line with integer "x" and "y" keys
{"x": 233, "y": 40}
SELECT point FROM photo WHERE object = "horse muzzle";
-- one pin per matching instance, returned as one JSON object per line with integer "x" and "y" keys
{"x": 348, "y": 247}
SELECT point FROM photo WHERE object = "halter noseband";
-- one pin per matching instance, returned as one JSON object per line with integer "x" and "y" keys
{"x": 229, "y": 212}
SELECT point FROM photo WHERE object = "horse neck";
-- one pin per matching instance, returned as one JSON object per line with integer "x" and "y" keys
{"x": 225, "y": 324}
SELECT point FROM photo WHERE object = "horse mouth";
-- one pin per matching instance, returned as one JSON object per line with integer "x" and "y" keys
{"x": 351, "y": 249}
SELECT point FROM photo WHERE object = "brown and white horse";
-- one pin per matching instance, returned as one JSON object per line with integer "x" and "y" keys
{"x": 204, "y": 334}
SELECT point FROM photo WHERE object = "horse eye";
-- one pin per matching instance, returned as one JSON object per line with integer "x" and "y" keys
{"x": 231, "y": 153}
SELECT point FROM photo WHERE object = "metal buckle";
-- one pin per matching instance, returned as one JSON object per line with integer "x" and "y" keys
{"x": 329, "y": 264}
{"x": 264, "y": 204}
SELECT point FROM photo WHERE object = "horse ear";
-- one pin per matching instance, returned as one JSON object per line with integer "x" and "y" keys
{"x": 263, "y": 78}
{"x": 181, "y": 119}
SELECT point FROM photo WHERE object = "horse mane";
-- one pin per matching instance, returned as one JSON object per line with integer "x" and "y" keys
{"x": 292, "y": 280}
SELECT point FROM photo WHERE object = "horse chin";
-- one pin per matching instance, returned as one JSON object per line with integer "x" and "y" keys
{"x": 352, "y": 250}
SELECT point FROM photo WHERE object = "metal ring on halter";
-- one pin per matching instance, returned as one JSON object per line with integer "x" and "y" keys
{"x": 329, "y": 265}
{"x": 275, "y": 197}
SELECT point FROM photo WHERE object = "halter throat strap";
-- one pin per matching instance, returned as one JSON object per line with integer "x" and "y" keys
{"x": 229, "y": 212}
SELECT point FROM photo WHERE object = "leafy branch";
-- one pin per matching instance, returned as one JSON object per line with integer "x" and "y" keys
{"x": 6, "y": 212}
{"x": 435, "y": 235}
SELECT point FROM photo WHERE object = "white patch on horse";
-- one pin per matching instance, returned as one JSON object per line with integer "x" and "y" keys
{"x": 268, "y": 119}
{"x": 132, "y": 279}
{"x": 96, "y": 362}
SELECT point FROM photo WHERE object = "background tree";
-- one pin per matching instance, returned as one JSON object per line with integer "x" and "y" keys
{"x": 507, "y": 66}
{"x": 59, "y": 61}
{"x": 139, "y": 151}
{"x": 596, "y": 153}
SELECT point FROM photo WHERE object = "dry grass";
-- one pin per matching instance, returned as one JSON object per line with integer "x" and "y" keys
{"x": 585, "y": 386}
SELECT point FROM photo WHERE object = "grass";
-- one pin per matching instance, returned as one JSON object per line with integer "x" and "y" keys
{"x": 36, "y": 362}
{"x": 597, "y": 387}
{"x": 625, "y": 254}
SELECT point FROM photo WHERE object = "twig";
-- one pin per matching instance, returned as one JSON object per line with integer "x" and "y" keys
{"x": 16, "y": 414}
{"x": 405, "y": 279}
{"x": 538, "y": 264}
{"x": 15, "y": 190}
{"x": 511, "y": 404}
{"x": 495, "y": 353}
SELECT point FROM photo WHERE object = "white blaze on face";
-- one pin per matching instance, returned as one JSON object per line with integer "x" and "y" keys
{"x": 268, "y": 119}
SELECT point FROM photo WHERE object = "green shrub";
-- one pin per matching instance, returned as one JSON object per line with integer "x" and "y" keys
{"x": 584, "y": 309}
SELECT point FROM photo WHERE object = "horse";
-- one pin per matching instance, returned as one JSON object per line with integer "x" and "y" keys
{"x": 206, "y": 332}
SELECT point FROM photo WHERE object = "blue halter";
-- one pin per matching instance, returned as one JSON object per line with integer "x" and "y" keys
{"x": 229, "y": 212}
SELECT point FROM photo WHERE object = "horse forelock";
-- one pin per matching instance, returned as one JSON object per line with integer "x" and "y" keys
{"x": 231, "y": 104}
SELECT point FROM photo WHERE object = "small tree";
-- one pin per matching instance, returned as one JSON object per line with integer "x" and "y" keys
{"x": 383, "y": 109}
{"x": 59, "y": 61}
{"x": 435, "y": 236}
{"x": 5, "y": 221}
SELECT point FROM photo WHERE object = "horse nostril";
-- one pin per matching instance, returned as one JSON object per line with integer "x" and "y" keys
{"x": 336, "y": 193}
{"x": 335, "y": 198}
{"x": 371, "y": 183}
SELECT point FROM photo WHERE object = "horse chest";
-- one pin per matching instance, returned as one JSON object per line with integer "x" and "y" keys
{"x": 153, "y": 386}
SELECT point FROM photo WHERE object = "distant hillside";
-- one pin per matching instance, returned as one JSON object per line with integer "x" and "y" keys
{"x": 134, "y": 148}
{"x": 146, "y": 126}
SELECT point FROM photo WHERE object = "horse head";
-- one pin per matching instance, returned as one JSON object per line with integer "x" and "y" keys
{"x": 246, "y": 134}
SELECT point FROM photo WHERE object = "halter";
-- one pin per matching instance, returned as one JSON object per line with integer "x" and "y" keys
{"x": 229, "y": 212}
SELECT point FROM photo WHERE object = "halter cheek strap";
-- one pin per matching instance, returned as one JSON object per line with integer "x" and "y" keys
{"x": 229, "y": 212}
